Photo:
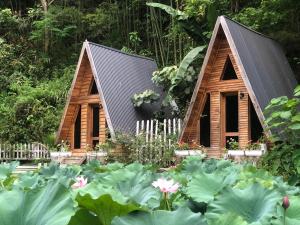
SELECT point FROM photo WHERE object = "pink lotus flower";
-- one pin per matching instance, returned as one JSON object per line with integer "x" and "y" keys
{"x": 80, "y": 182}
{"x": 285, "y": 202}
{"x": 166, "y": 186}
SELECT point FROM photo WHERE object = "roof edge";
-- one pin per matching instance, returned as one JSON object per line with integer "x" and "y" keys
{"x": 119, "y": 51}
{"x": 244, "y": 75}
{"x": 68, "y": 99}
{"x": 101, "y": 95}
{"x": 244, "y": 26}
{"x": 200, "y": 76}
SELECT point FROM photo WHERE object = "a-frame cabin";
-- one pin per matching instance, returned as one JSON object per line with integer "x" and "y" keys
{"x": 99, "y": 102}
{"x": 242, "y": 71}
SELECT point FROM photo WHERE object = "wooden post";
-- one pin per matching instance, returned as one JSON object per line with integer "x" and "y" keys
{"x": 244, "y": 120}
{"x": 137, "y": 128}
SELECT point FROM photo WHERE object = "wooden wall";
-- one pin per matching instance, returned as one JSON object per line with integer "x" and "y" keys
{"x": 212, "y": 83}
{"x": 80, "y": 97}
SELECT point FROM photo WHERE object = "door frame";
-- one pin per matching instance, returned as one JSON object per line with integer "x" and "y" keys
{"x": 224, "y": 134}
{"x": 91, "y": 137}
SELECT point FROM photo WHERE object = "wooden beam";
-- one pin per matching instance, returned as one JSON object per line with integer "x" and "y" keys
{"x": 90, "y": 99}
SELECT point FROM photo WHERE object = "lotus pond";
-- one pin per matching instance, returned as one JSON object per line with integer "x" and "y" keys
{"x": 196, "y": 192}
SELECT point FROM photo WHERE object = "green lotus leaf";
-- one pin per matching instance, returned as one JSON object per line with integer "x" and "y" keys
{"x": 292, "y": 213}
{"x": 228, "y": 219}
{"x": 255, "y": 204}
{"x": 49, "y": 205}
{"x": 204, "y": 187}
{"x": 105, "y": 207}
{"x": 83, "y": 216}
{"x": 7, "y": 169}
{"x": 139, "y": 189}
{"x": 182, "y": 216}
{"x": 251, "y": 174}
{"x": 28, "y": 181}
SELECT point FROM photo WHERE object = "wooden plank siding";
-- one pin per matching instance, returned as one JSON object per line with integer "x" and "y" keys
{"x": 211, "y": 83}
{"x": 80, "y": 96}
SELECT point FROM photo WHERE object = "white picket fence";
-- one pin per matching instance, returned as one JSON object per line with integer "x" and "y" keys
{"x": 30, "y": 151}
{"x": 155, "y": 140}
{"x": 153, "y": 129}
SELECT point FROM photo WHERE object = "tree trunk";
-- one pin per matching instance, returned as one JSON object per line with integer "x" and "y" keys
{"x": 45, "y": 5}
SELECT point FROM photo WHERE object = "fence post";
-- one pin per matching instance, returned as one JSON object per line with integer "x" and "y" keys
{"x": 179, "y": 127}
{"x": 137, "y": 128}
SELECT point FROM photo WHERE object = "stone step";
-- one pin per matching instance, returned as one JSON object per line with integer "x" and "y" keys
{"x": 213, "y": 153}
{"x": 25, "y": 169}
{"x": 73, "y": 160}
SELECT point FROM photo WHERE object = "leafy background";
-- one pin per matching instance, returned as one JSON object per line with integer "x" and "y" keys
{"x": 40, "y": 42}
{"x": 119, "y": 194}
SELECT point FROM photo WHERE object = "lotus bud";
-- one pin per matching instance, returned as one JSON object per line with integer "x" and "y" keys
{"x": 285, "y": 202}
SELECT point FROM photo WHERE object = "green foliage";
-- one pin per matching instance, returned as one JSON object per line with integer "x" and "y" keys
{"x": 179, "y": 82}
{"x": 254, "y": 204}
{"x": 50, "y": 205}
{"x": 128, "y": 148}
{"x": 40, "y": 48}
{"x": 181, "y": 216}
{"x": 283, "y": 120}
{"x": 203, "y": 187}
{"x": 211, "y": 192}
{"x": 146, "y": 97}
{"x": 233, "y": 144}
{"x": 292, "y": 213}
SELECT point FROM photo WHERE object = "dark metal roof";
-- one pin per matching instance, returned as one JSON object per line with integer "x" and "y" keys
{"x": 264, "y": 61}
{"x": 120, "y": 76}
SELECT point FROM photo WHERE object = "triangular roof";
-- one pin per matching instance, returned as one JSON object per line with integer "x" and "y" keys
{"x": 264, "y": 67}
{"x": 118, "y": 76}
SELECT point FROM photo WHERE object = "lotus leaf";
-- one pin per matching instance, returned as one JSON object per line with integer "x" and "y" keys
{"x": 49, "y": 205}
{"x": 182, "y": 216}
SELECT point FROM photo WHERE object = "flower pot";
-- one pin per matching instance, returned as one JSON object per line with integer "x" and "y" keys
{"x": 184, "y": 153}
{"x": 254, "y": 153}
{"x": 60, "y": 154}
{"x": 236, "y": 153}
{"x": 97, "y": 154}
{"x": 101, "y": 156}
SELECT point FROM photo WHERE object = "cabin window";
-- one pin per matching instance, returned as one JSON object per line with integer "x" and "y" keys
{"x": 205, "y": 124}
{"x": 94, "y": 89}
{"x": 77, "y": 130}
{"x": 228, "y": 71}
{"x": 232, "y": 113}
{"x": 95, "y": 124}
{"x": 255, "y": 125}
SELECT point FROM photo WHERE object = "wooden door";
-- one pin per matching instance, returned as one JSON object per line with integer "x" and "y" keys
{"x": 229, "y": 117}
{"x": 94, "y": 124}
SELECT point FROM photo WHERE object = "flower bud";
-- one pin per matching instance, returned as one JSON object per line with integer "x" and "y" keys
{"x": 285, "y": 202}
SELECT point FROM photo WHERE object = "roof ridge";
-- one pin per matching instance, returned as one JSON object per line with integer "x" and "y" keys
{"x": 243, "y": 25}
{"x": 119, "y": 51}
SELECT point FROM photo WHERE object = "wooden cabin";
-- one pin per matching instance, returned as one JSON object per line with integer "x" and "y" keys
{"x": 242, "y": 71}
{"x": 99, "y": 102}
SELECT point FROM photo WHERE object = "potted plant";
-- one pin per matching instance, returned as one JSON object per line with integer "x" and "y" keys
{"x": 99, "y": 151}
{"x": 234, "y": 148}
{"x": 184, "y": 149}
{"x": 63, "y": 150}
{"x": 255, "y": 149}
